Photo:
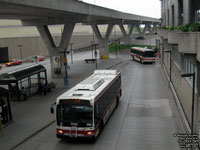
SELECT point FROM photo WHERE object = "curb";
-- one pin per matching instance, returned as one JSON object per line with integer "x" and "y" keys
{"x": 32, "y": 135}
{"x": 115, "y": 65}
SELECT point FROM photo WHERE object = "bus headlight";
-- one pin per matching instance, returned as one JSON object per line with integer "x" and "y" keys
{"x": 60, "y": 131}
{"x": 89, "y": 133}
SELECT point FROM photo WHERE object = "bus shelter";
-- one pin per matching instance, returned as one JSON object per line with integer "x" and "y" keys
{"x": 5, "y": 109}
{"x": 24, "y": 82}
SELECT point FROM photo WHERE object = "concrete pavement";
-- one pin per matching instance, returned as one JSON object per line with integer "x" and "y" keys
{"x": 31, "y": 116}
{"x": 143, "y": 120}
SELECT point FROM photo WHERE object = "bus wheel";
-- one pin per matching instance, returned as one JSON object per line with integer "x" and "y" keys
{"x": 117, "y": 102}
{"x": 133, "y": 57}
{"x": 101, "y": 127}
{"x": 141, "y": 60}
{"x": 93, "y": 139}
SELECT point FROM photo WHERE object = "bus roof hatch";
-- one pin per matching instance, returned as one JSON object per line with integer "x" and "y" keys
{"x": 105, "y": 72}
{"x": 91, "y": 84}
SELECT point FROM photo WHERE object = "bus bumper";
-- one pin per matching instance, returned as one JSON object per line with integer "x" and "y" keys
{"x": 86, "y": 137}
{"x": 150, "y": 61}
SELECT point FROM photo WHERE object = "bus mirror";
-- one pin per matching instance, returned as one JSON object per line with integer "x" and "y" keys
{"x": 52, "y": 110}
{"x": 98, "y": 116}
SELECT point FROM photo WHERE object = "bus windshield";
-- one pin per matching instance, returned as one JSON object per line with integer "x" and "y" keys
{"x": 149, "y": 54}
{"x": 71, "y": 114}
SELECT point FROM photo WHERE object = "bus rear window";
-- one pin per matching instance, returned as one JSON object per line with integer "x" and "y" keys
{"x": 149, "y": 54}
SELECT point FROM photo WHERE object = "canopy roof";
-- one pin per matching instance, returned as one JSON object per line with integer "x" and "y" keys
{"x": 19, "y": 74}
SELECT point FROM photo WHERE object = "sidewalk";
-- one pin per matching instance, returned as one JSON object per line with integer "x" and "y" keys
{"x": 33, "y": 115}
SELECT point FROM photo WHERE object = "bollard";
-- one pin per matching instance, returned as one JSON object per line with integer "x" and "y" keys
{"x": 1, "y": 130}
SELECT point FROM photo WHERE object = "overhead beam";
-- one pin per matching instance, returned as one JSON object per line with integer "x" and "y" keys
{"x": 65, "y": 8}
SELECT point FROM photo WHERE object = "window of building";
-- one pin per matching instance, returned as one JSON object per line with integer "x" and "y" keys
{"x": 173, "y": 15}
{"x": 177, "y": 58}
{"x": 190, "y": 67}
{"x": 168, "y": 17}
{"x": 180, "y": 12}
{"x": 196, "y": 9}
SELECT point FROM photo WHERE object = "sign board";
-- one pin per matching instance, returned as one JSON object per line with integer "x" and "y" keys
{"x": 57, "y": 64}
{"x": 64, "y": 59}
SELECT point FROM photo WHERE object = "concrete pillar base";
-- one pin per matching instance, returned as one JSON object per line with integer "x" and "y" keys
{"x": 104, "y": 50}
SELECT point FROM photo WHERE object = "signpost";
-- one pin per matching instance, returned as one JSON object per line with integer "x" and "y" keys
{"x": 95, "y": 53}
{"x": 71, "y": 52}
{"x": 66, "y": 80}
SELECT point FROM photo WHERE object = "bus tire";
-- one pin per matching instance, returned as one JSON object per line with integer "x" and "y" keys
{"x": 93, "y": 139}
{"x": 141, "y": 60}
{"x": 101, "y": 126}
{"x": 133, "y": 57}
{"x": 117, "y": 102}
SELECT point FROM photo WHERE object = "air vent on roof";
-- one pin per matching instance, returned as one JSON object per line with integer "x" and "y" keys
{"x": 105, "y": 72}
{"x": 91, "y": 83}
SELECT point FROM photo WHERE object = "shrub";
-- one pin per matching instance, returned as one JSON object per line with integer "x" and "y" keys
{"x": 195, "y": 27}
{"x": 114, "y": 47}
{"x": 171, "y": 27}
{"x": 186, "y": 28}
{"x": 165, "y": 27}
{"x": 177, "y": 27}
{"x": 190, "y": 27}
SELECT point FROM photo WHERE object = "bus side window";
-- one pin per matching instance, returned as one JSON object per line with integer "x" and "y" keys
{"x": 97, "y": 114}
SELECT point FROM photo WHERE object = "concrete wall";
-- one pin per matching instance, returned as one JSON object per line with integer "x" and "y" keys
{"x": 31, "y": 46}
{"x": 34, "y": 45}
{"x": 149, "y": 40}
{"x": 182, "y": 86}
{"x": 13, "y": 34}
{"x": 10, "y": 29}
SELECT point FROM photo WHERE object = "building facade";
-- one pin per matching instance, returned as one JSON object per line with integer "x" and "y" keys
{"x": 180, "y": 53}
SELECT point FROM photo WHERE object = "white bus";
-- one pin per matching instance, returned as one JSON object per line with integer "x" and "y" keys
{"x": 143, "y": 54}
{"x": 83, "y": 110}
